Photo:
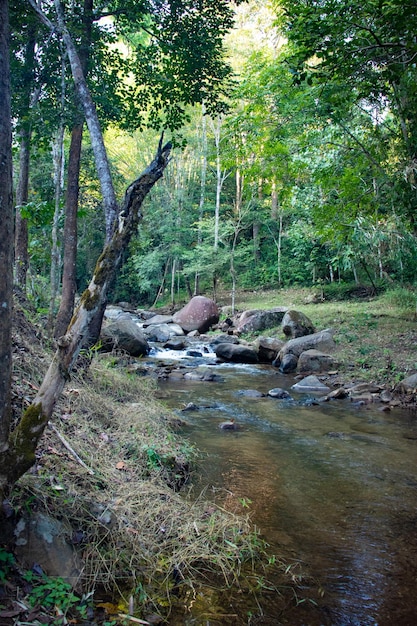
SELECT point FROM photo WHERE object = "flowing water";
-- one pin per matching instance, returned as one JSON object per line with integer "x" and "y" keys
{"x": 329, "y": 484}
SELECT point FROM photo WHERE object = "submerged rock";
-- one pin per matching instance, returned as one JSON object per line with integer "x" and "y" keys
{"x": 229, "y": 425}
{"x": 280, "y": 394}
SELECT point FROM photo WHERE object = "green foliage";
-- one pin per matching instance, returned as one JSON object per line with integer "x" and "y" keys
{"x": 55, "y": 594}
{"x": 6, "y": 563}
{"x": 402, "y": 298}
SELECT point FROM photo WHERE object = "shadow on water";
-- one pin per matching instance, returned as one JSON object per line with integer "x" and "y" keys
{"x": 328, "y": 484}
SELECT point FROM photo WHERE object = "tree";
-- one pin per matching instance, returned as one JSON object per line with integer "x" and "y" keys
{"x": 6, "y": 239}
{"x": 19, "y": 446}
{"x": 69, "y": 285}
{"x": 361, "y": 52}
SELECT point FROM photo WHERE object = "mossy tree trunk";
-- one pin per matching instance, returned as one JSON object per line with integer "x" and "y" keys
{"x": 19, "y": 455}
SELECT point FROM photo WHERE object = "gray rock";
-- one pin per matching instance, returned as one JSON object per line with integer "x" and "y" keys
{"x": 322, "y": 341}
{"x": 158, "y": 319}
{"x": 287, "y": 364}
{"x": 310, "y": 384}
{"x": 42, "y": 540}
{"x": 236, "y": 353}
{"x": 280, "y": 394}
{"x": 268, "y": 348}
{"x": 315, "y": 361}
{"x": 337, "y": 394}
{"x": 257, "y": 319}
{"x": 296, "y": 324}
{"x": 175, "y": 343}
{"x": 126, "y": 335}
{"x": 408, "y": 385}
{"x": 157, "y": 332}
{"x": 224, "y": 339}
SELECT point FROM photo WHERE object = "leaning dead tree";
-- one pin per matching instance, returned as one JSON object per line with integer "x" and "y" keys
{"x": 20, "y": 455}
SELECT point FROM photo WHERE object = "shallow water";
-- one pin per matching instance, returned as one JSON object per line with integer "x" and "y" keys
{"x": 331, "y": 485}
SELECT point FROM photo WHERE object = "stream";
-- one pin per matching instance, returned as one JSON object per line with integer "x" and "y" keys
{"x": 330, "y": 485}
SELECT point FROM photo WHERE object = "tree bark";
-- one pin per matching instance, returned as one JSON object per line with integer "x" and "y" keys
{"x": 22, "y": 187}
{"x": 20, "y": 455}
{"x": 6, "y": 239}
{"x": 96, "y": 136}
{"x": 70, "y": 234}
{"x": 58, "y": 159}
{"x": 22, "y": 192}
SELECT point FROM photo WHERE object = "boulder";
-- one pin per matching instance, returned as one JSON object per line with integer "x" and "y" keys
{"x": 287, "y": 364}
{"x": 257, "y": 319}
{"x": 112, "y": 312}
{"x": 236, "y": 353}
{"x": 296, "y": 324}
{"x": 310, "y": 384}
{"x": 157, "y": 332}
{"x": 315, "y": 361}
{"x": 268, "y": 348}
{"x": 176, "y": 343}
{"x": 408, "y": 385}
{"x": 125, "y": 335}
{"x": 162, "y": 332}
{"x": 199, "y": 314}
{"x": 158, "y": 319}
{"x": 43, "y": 540}
{"x": 224, "y": 339}
{"x": 322, "y": 341}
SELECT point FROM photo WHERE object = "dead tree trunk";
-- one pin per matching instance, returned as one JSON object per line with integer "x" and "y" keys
{"x": 20, "y": 453}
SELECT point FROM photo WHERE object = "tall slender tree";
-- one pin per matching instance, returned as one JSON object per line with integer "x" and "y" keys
{"x": 6, "y": 225}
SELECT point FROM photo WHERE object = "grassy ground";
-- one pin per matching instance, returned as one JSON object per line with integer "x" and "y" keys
{"x": 376, "y": 337}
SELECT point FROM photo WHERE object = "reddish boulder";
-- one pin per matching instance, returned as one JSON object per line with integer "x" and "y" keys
{"x": 199, "y": 314}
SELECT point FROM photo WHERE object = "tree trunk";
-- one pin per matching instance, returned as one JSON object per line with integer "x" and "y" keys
{"x": 70, "y": 233}
{"x": 90, "y": 113}
{"x": 22, "y": 192}
{"x": 203, "y": 176}
{"x": 20, "y": 455}
{"x": 22, "y": 188}
{"x": 69, "y": 275}
{"x": 58, "y": 158}
{"x": 6, "y": 240}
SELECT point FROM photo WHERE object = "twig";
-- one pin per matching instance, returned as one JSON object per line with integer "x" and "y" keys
{"x": 69, "y": 448}
{"x": 130, "y": 618}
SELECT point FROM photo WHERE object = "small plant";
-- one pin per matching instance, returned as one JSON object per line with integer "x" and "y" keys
{"x": 56, "y": 594}
{"x": 154, "y": 458}
{"x": 6, "y": 564}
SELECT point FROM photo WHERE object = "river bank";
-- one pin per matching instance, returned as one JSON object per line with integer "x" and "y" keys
{"x": 128, "y": 439}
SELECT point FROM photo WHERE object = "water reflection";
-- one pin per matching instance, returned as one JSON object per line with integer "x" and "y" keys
{"x": 328, "y": 484}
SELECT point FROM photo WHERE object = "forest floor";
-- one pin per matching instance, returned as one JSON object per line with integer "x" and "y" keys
{"x": 130, "y": 509}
